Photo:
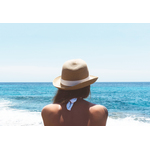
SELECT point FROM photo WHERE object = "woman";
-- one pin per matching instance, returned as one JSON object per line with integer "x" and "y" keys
{"x": 69, "y": 107}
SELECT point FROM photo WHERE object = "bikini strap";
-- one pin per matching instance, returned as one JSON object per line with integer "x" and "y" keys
{"x": 70, "y": 103}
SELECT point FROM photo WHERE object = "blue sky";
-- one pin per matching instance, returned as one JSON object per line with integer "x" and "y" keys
{"x": 115, "y": 52}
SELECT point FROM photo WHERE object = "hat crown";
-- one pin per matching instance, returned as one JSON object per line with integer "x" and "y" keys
{"x": 75, "y": 69}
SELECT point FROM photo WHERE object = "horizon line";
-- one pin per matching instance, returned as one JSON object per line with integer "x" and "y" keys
{"x": 52, "y": 81}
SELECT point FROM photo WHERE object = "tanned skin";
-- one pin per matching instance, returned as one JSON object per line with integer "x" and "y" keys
{"x": 83, "y": 113}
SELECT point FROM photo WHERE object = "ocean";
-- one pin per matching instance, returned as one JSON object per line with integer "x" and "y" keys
{"x": 128, "y": 103}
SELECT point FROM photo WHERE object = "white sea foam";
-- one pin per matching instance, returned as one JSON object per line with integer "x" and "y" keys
{"x": 13, "y": 117}
{"x": 128, "y": 121}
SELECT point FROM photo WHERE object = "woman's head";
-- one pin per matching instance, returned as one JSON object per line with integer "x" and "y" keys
{"x": 74, "y": 81}
{"x": 63, "y": 96}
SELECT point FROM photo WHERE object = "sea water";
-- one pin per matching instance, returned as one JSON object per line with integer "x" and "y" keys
{"x": 128, "y": 103}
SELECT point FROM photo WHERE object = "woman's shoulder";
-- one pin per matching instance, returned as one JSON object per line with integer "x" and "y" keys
{"x": 51, "y": 108}
{"x": 95, "y": 107}
{"x": 98, "y": 115}
{"x": 50, "y": 114}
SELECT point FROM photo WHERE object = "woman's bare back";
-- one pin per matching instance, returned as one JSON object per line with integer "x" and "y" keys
{"x": 83, "y": 113}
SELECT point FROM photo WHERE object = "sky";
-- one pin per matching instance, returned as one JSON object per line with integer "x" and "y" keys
{"x": 115, "y": 52}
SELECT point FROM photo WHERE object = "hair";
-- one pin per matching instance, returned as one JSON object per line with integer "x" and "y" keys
{"x": 63, "y": 96}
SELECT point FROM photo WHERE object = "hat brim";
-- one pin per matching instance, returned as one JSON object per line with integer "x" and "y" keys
{"x": 57, "y": 83}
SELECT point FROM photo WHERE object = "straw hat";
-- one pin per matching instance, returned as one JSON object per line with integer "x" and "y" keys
{"x": 75, "y": 75}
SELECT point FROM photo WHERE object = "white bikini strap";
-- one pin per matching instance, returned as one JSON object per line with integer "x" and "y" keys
{"x": 70, "y": 103}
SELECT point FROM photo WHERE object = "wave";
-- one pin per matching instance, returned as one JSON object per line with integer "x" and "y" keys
{"x": 14, "y": 117}
{"x": 128, "y": 121}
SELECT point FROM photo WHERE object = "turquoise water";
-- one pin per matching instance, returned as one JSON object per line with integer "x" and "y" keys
{"x": 127, "y": 103}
